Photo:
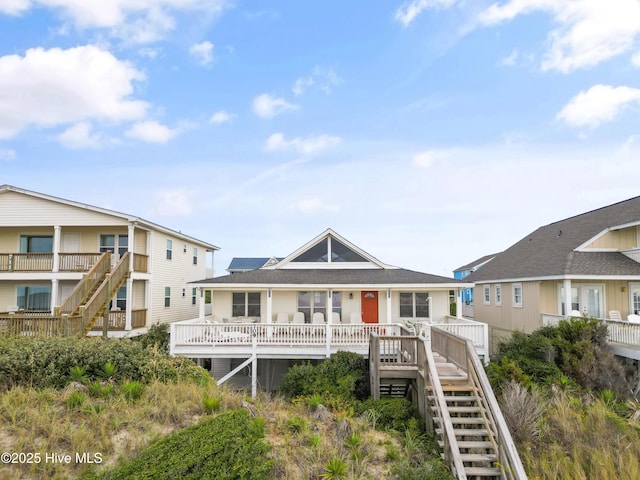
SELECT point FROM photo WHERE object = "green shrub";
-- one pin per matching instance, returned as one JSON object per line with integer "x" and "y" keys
{"x": 297, "y": 425}
{"x": 228, "y": 446}
{"x": 158, "y": 337}
{"x": 334, "y": 469}
{"x": 211, "y": 404}
{"x": 76, "y": 399}
{"x": 49, "y": 361}
{"x": 343, "y": 374}
{"x": 393, "y": 413}
{"x": 132, "y": 390}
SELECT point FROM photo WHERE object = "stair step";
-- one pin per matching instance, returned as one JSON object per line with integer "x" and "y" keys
{"x": 465, "y": 444}
{"x": 455, "y": 409}
{"x": 467, "y": 432}
{"x": 478, "y": 457}
{"x": 463, "y": 420}
{"x": 482, "y": 472}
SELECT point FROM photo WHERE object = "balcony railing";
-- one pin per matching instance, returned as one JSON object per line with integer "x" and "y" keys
{"x": 140, "y": 263}
{"x": 118, "y": 320}
{"x": 43, "y": 262}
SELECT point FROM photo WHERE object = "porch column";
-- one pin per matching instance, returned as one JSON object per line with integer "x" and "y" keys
{"x": 56, "y": 248}
{"x": 53, "y": 301}
{"x": 201, "y": 308}
{"x": 389, "y": 314}
{"x": 130, "y": 244}
{"x": 269, "y": 306}
{"x": 567, "y": 297}
{"x": 129, "y": 304}
{"x": 458, "y": 303}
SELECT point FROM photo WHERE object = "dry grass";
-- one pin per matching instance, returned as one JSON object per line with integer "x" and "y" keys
{"x": 582, "y": 439}
{"x": 119, "y": 429}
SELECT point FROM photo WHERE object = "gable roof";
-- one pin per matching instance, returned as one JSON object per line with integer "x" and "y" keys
{"x": 324, "y": 272}
{"x": 476, "y": 263}
{"x": 297, "y": 258}
{"x": 129, "y": 218}
{"x": 554, "y": 250}
{"x": 241, "y": 264}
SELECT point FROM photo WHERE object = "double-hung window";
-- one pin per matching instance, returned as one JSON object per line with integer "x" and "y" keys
{"x": 169, "y": 249}
{"x": 414, "y": 305}
{"x": 517, "y": 295}
{"x": 195, "y": 255}
{"x": 167, "y": 296}
{"x": 486, "y": 299}
{"x": 245, "y": 304}
{"x": 498, "y": 295}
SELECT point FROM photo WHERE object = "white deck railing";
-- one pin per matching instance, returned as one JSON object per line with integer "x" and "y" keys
{"x": 619, "y": 331}
{"x": 189, "y": 335}
{"x": 193, "y": 333}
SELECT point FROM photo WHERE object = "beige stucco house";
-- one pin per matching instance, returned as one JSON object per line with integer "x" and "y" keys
{"x": 55, "y": 254}
{"x": 589, "y": 263}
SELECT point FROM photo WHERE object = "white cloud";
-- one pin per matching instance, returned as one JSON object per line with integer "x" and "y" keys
{"x": 511, "y": 59}
{"x": 268, "y": 106}
{"x": 304, "y": 146}
{"x": 7, "y": 155}
{"x": 52, "y": 87}
{"x": 203, "y": 52}
{"x": 136, "y": 21}
{"x": 635, "y": 60}
{"x": 221, "y": 116}
{"x": 409, "y": 11}
{"x": 149, "y": 52}
{"x": 428, "y": 158}
{"x": 151, "y": 131}
{"x": 589, "y": 32}
{"x": 300, "y": 85}
{"x": 80, "y": 136}
{"x": 315, "y": 205}
{"x": 173, "y": 203}
{"x": 599, "y": 104}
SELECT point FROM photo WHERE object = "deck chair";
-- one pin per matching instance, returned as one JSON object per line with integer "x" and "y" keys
{"x": 298, "y": 319}
{"x": 282, "y": 319}
{"x": 356, "y": 318}
{"x": 575, "y": 313}
{"x": 633, "y": 318}
{"x": 318, "y": 319}
{"x": 335, "y": 318}
{"x": 615, "y": 315}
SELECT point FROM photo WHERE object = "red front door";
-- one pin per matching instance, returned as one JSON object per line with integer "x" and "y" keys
{"x": 369, "y": 302}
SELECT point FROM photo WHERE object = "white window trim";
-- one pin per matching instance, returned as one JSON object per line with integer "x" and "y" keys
{"x": 486, "y": 294}
{"x": 498, "y": 293}
{"x": 513, "y": 294}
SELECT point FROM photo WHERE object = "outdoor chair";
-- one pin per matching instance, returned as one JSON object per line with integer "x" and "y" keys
{"x": 615, "y": 315}
{"x": 282, "y": 319}
{"x": 318, "y": 319}
{"x": 633, "y": 318}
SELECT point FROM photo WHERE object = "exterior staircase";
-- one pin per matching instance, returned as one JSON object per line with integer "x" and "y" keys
{"x": 477, "y": 447}
{"x": 90, "y": 298}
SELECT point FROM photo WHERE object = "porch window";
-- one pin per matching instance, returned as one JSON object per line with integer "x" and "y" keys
{"x": 34, "y": 298}
{"x": 517, "y": 295}
{"x": 36, "y": 244}
{"x": 108, "y": 243}
{"x": 487, "y": 294}
{"x": 634, "y": 290}
{"x": 312, "y": 302}
{"x": 245, "y": 304}
{"x": 120, "y": 300}
{"x": 169, "y": 249}
{"x": 167, "y": 296}
{"x": 336, "y": 303}
{"x": 584, "y": 298}
{"x": 498, "y": 295}
{"x": 414, "y": 305}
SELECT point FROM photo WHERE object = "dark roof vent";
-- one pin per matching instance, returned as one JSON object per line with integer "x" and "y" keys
{"x": 560, "y": 233}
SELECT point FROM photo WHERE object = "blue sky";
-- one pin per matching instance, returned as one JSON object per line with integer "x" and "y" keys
{"x": 428, "y": 132}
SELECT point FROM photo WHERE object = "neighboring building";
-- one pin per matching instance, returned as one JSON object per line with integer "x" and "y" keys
{"x": 50, "y": 246}
{"x": 463, "y": 272}
{"x": 242, "y": 264}
{"x": 588, "y": 263}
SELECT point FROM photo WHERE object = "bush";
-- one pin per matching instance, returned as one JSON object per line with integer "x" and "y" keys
{"x": 53, "y": 362}
{"x": 158, "y": 337}
{"x": 393, "y": 413}
{"x": 344, "y": 375}
{"x": 228, "y": 446}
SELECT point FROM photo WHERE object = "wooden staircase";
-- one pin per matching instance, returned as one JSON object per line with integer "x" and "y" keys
{"x": 477, "y": 448}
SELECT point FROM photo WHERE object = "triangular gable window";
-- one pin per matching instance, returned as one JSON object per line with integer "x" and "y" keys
{"x": 341, "y": 253}
{"x": 320, "y": 253}
{"x": 317, "y": 253}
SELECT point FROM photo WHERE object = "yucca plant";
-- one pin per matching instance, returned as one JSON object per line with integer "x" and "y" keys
{"x": 78, "y": 374}
{"x": 109, "y": 370}
{"x": 132, "y": 390}
{"x": 76, "y": 399}
{"x": 334, "y": 469}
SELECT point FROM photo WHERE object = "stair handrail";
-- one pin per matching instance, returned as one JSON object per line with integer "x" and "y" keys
{"x": 105, "y": 292}
{"x": 89, "y": 280}
{"x": 450, "y": 446}
{"x": 508, "y": 457}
